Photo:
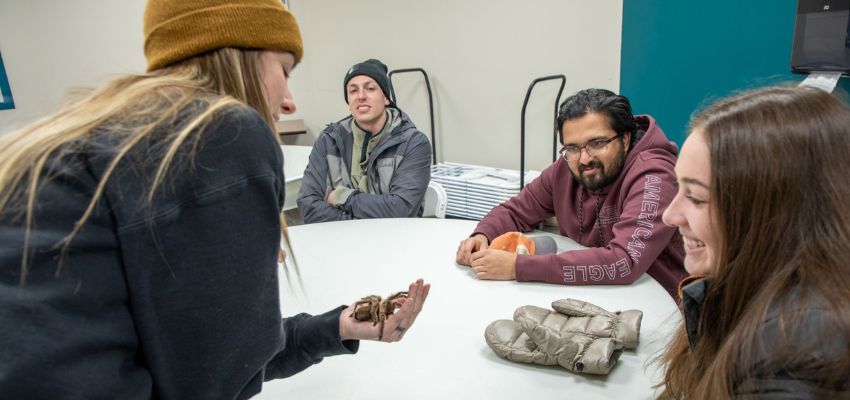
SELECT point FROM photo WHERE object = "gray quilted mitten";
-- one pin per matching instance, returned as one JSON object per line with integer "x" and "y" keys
{"x": 585, "y": 338}
{"x": 508, "y": 339}
{"x": 623, "y": 326}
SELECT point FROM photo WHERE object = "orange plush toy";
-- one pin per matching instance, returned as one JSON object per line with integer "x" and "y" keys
{"x": 514, "y": 242}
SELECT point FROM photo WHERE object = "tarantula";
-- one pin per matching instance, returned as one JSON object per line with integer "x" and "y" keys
{"x": 373, "y": 308}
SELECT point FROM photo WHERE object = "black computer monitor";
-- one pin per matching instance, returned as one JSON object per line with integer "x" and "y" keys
{"x": 821, "y": 37}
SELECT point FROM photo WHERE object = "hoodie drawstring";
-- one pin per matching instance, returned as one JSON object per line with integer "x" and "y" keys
{"x": 581, "y": 219}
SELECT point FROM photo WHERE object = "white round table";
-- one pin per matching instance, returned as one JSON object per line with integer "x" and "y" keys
{"x": 444, "y": 355}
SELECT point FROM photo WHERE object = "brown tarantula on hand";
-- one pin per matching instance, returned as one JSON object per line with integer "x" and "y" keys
{"x": 373, "y": 308}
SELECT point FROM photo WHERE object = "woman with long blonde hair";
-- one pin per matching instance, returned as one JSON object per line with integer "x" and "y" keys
{"x": 763, "y": 209}
{"x": 140, "y": 224}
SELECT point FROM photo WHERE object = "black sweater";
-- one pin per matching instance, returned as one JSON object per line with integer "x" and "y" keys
{"x": 173, "y": 299}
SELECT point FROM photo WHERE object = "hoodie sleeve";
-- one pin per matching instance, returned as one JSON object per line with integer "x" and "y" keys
{"x": 639, "y": 236}
{"x": 524, "y": 211}
{"x": 407, "y": 186}
{"x": 315, "y": 187}
{"x": 307, "y": 340}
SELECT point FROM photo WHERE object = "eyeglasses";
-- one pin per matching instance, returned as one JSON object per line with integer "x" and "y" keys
{"x": 594, "y": 148}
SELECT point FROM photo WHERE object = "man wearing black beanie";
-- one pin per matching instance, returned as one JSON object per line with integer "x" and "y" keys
{"x": 372, "y": 164}
{"x": 374, "y": 69}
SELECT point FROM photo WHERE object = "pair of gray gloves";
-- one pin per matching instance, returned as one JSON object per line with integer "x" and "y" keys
{"x": 577, "y": 335}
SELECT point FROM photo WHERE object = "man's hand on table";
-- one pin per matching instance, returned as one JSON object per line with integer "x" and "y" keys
{"x": 494, "y": 264}
{"x": 469, "y": 246}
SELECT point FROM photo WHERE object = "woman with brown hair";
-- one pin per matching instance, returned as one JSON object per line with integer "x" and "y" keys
{"x": 762, "y": 207}
{"x": 140, "y": 224}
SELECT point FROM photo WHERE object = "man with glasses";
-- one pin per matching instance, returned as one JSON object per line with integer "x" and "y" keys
{"x": 608, "y": 190}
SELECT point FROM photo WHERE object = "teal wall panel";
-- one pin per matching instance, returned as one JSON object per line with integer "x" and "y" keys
{"x": 6, "y": 100}
{"x": 679, "y": 56}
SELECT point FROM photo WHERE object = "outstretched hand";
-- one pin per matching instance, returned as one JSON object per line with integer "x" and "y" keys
{"x": 395, "y": 326}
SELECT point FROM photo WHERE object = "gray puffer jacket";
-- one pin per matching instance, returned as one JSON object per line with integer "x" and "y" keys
{"x": 398, "y": 172}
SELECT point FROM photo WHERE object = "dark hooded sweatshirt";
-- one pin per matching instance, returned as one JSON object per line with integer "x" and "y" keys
{"x": 625, "y": 216}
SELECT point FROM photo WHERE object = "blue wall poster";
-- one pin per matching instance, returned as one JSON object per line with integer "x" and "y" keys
{"x": 6, "y": 101}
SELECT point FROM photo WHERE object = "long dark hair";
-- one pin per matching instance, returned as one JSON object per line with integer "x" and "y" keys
{"x": 779, "y": 193}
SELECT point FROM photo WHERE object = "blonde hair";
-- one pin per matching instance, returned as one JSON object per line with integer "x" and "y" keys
{"x": 129, "y": 109}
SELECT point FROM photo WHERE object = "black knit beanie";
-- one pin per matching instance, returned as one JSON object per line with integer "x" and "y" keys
{"x": 374, "y": 69}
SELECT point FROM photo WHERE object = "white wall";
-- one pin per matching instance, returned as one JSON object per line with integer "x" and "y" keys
{"x": 50, "y": 46}
{"x": 481, "y": 57}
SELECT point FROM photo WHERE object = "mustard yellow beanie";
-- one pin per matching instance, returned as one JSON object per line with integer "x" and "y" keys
{"x": 178, "y": 29}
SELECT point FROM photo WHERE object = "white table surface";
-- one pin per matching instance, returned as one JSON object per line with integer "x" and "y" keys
{"x": 295, "y": 160}
{"x": 444, "y": 356}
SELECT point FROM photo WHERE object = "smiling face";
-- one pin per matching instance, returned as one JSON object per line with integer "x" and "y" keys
{"x": 690, "y": 210}
{"x": 275, "y": 68}
{"x": 602, "y": 170}
{"x": 367, "y": 103}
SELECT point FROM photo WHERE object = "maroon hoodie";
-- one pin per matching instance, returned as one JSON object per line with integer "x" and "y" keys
{"x": 635, "y": 240}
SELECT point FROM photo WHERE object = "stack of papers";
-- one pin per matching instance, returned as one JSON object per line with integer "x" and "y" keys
{"x": 473, "y": 190}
